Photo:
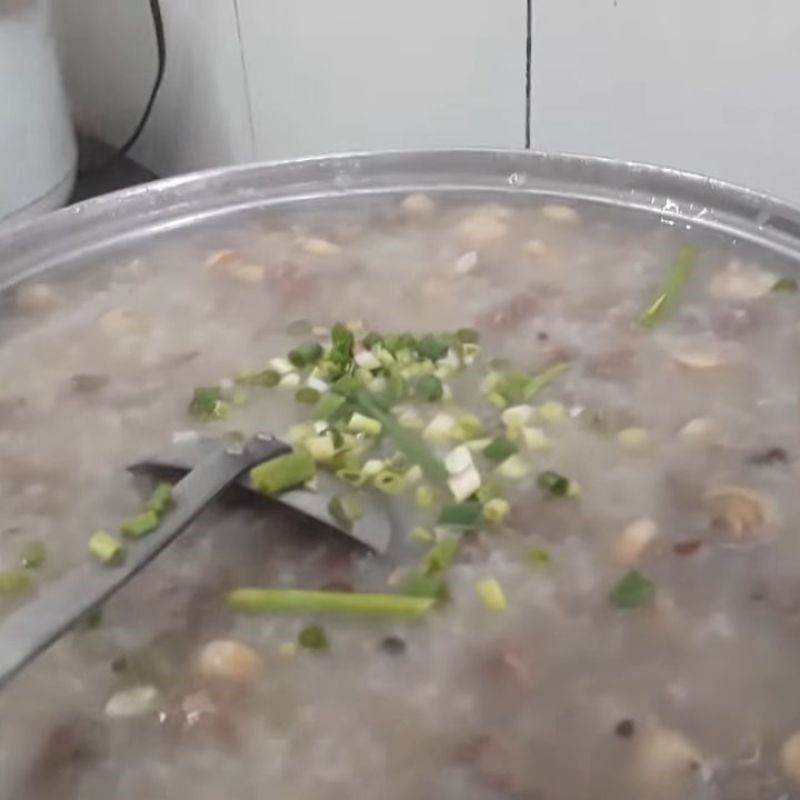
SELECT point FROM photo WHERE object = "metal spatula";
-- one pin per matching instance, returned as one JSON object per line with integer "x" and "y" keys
{"x": 209, "y": 467}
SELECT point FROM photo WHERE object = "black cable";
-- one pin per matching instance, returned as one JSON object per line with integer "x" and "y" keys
{"x": 161, "y": 49}
{"x": 528, "y": 48}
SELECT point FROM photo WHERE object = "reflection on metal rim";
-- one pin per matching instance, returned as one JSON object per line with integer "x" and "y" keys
{"x": 89, "y": 228}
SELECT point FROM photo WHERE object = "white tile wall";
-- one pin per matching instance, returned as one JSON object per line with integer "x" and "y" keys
{"x": 708, "y": 85}
{"x": 320, "y": 76}
{"x": 358, "y": 74}
{"x": 201, "y": 118}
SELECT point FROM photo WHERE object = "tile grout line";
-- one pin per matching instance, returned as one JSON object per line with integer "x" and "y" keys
{"x": 246, "y": 81}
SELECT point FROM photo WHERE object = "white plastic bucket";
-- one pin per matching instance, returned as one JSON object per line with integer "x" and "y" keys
{"x": 37, "y": 146}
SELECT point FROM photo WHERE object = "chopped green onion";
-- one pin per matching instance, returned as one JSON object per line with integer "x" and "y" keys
{"x": 499, "y": 450}
{"x": 15, "y": 583}
{"x": 281, "y": 365}
{"x": 516, "y": 416}
{"x": 327, "y": 405}
{"x": 282, "y": 473}
{"x": 538, "y": 557}
{"x": 440, "y": 428}
{"x": 497, "y": 400}
{"x": 467, "y": 426}
{"x": 514, "y": 468}
{"x": 346, "y": 509}
{"x": 785, "y": 285}
{"x": 267, "y": 378}
{"x": 665, "y": 302}
{"x": 464, "y": 516}
{"x": 538, "y": 382}
{"x": 552, "y": 412}
{"x": 432, "y": 347}
{"x": 468, "y": 336}
{"x": 553, "y": 483}
{"x": 420, "y": 534}
{"x": 354, "y": 477}
{"x": 635, "y": 439}
{"x": 469, "y": 352}
{"x": 371, "y": 339}
{"x": 140, "y": 525}
{"x": 305, "y": 354}
{"x": 207, "y": 402}
{"x": 409, "y": 418}
{"x": 535, "y": 439}
{"x": 33, "y": 555}
{"x": 389, "y": 482}
{"x": 261, "y": 601}
{"x": 428, "y": 389}
{"x": 413, "y": 475}
{"x": 306, "y": 395}
{"x": 105, "y": 548}
{"x": 496, "y": 510}
{"x": 361, "y": 423}
{"x": 492, "y": 595}
{"x": 441, "y": 556}
{"x": 161, "y": 500}
{"x": 341, "y": 354}
{"x": 489, "y": 491}
{"x": 512, "y": 387}
{"x": 291, "y": 380}
{"x": 313, "y": 637}
{"x": 458, "y": 460}
{"x": 407, "y": 442}
{"x": 432, "y": 587}
{"x": 632, "y": 591}
{"x": 321, "y": 448}
{"x": 346, "y": 386}
{"x": 424, "y": 496}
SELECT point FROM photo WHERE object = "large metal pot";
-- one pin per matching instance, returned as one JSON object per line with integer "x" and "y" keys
{"x": 100, "y": 227}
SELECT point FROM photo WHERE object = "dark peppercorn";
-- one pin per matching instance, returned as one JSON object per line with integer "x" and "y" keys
{"x": 770, "y": 456}
{"x": 625, "y": 728}
{"x": 393, "y": 645}
{"x": 119, "y": 664}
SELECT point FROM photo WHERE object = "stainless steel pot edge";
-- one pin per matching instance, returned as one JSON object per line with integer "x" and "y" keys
{"x": 85, "y": 229}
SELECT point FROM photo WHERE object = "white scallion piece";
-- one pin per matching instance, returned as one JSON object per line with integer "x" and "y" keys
{"x": 535, "y": 439}
{"x": 291, "y": 380}
{"x": 281, "y": 365}
{"x": 517, "y": 416}
{"x": 320, "y": 385}
{"x": 361, "y": 423}
{"x": 514, "y": 467}
{"x": 458, "y": 460}
{"x": 366, "y": 359}
{"x": 372, "y": 467}
{"x": 440, "y": 428}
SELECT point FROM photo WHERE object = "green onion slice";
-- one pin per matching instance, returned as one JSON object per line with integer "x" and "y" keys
{"x": 553, "y": 483}
{"x": 632, "y": 591}
{"x": 283, "y": 472}
{"x": 667, "y": 299}
{"x": 261, "y": 601}
{"x": 499, "y": 450}
{"x": 464, "y": 516}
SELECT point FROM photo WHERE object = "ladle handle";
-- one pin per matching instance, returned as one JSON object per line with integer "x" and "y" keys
{"x": 30, "y": 630}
